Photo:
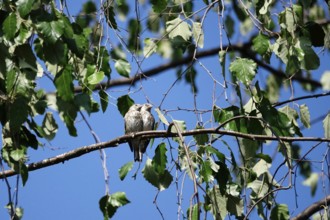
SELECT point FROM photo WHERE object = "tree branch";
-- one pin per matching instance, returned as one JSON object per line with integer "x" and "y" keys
{"x": 315, "y": 207}
{"x": 151, "y": 134}
{"x": 245, "y": 49}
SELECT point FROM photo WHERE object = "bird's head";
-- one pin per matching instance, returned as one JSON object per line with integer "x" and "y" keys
{"x": 146, "y": 107}
{"x": 135, "y": 107}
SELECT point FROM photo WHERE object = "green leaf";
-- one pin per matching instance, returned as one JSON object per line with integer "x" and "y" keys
{"x": 149, "y": 48}
{"x": 316, "y": 33}
{"x": 217, "y": 203}
{"x": 194, "y": 213}
{"x": 24, "y": 7}
{"x": 160, "y": 181}
{"x": 28, "y": 139}
{"x": 181, "y": 126}
{"x": 230, "y": 24}
{"x": 95, "y": 78}
{"x": 280, "y": 212}
{"x": 68, "y": 112}
{"x": 18, "y": 154}
{"x": 244, "y": 69}
{"x": 198, "y": 34}
{"x": 124, "y": 103}
{"x": 235, "y": 205}
{"x": 158, "y": 6}
{"x": 18, "y": 113}
{"x": 110, "y": 203}
{"x": 178, "y": 27}
{"x": 206, "y": 171}
{"x": 161, "y": 116}
{"x": 64, "y": 85}
{"x": 261, "y": 44}
{"x": 264, "y": 157}
{"x": 51, "y": 31}
{"x": 325, "y": 80}
{"x": 312, "y": 182}
{"x": 201, "y": 139}
{"x": 49, "y": 126}
{"x": 223, "y": 115}
{"x": 24, "y": 171}
{"x": 85, "y": 101}
{"x": 326, "y": 126}
{"x": 305, "y": 116}
{"x": 159, "y": 160}
{"x": 10, "y": 26}
{"x": 104, "y": 99}
{"x": 125, "y": 169}
{"x": 123, "y": 67}
{"x": 110, "y": 16}
{"x": 54, "y": 53}
{"x": 311, "y": 60}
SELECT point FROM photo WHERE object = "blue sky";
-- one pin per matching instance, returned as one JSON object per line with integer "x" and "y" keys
{"x": 72, "y": 190}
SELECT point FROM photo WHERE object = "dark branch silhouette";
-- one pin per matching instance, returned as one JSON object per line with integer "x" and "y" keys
{"x": 152, "y": 134}
{"x": 244, "y": 49}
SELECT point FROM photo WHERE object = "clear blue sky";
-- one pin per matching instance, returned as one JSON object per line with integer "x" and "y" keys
{"x": 72, "y": 190}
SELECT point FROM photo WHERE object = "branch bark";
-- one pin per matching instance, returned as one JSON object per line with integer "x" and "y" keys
{"x": 312, "y": 209}
{"x": 151, "y": 134}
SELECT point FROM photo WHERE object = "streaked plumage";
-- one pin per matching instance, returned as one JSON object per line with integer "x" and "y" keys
{"x": 148, "y": 124}
{"x": 133, "y": 124}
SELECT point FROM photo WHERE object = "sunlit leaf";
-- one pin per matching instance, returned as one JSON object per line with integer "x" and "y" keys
{"x": 178, "y": 27}
{"x": 325, "y": 80}
{"x": 49, "y": 126}
{"x": 51, "y": 31}
{"x": 95, "y": 78}
{"x": 312, "y": 182}
{"x": 123, "y": 171}
{"x": 149, "y": 48}
{"x": 326, "y": 126}
{"x": 110, "y": 203}
{"x": 244, "y": 69}
{"x": 264, "y": 9}
{"x": 261, "y": 167}
{"x": 198, "y": 34}
{"x": 123, "y": 68}
{"x": 161, "y": 116}
{"x": 305, "y": 116}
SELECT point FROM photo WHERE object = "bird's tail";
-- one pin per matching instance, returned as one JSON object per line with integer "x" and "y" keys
{"x": 138, "y": 156}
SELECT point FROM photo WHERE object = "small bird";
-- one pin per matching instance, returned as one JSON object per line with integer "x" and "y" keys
{"x": 133, "y": 124}
{"x": 148, "y": 124}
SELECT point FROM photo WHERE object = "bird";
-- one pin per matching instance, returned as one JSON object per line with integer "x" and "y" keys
{"x": 148, "y": 124}
{"x": 134, "y": 123}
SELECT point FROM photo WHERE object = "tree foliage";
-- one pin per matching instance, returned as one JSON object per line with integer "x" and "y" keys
{"x": 105, "y": 44}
